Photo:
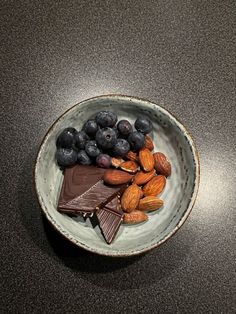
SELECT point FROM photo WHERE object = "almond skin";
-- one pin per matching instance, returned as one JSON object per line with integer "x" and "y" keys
{"x": 162, "y": 164}
{"x": 146, "y": 159}
{"x": 143, "y": 177}
{"x": 130, "y": 198}
{"x": 149, "y": 143}
{"x": 116, "y": 162}
{"x": 150, "y": 203}
{"x": 155, "y": 186}
{"x": 132, "y": 156}
{"x": 134, "y": 217}
{"x": 130, "y": 166}
{"x": 116, "y": 177}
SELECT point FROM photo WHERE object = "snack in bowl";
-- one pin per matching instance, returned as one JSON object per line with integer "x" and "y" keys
{"x": 168, "y": 136}
{"x": 112, "y": 195}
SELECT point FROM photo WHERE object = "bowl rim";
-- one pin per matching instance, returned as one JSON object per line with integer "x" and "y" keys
{"x": 184, "y": 216}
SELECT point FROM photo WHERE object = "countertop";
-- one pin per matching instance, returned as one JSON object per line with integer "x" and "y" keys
{"x": 180, "y": 54}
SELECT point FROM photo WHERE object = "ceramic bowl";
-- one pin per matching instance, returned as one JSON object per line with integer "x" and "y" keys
{"x": 170, "y": 137}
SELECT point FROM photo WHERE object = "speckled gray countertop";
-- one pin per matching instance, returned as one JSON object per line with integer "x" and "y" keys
{"x": 180, "y": 54}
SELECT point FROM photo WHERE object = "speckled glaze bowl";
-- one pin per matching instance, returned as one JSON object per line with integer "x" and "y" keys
{"x": 170, "y": 137}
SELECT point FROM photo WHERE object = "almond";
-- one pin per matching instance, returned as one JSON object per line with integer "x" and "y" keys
{"x": 149, "y": 143}
{"x": 162, "y": 164}
{"x": 130, "y": 166}
{"x": 150, "y": 203}
{"x": 155, "y": 186}
{"x": 134, "y": 217}
{"x": 143, "y": 177}
{"x": 116, "y": 162}
{"x": 130, "y": 198}
{"x": 132, "y": 156}
{"x": 116, "y": 177}
{"x": 146, "y": 159}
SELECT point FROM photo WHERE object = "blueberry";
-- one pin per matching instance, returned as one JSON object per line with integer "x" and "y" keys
{"x": 124, "y": 127}
{"x": 83, "y": 158}
{"x": 66, "y": 138}
{"x": 91, "y": 149}
{"x": 103, "y": 161}
{"x": 106, "y": 118}
{"x": 66, "y": 157}
{"x": 121, "y": 148}
{"x": 80, "y": 139}
{"x": 136, "y": 140}
{"x": 106, "y": 138}
{"x": 90, "y": 127}
{"x": 143, "y": 125}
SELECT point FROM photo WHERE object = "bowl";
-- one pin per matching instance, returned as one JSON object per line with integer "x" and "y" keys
{"x": 170, "y": 137}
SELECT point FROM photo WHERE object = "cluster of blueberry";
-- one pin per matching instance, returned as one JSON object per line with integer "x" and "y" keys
{"x": 99, "y": 139}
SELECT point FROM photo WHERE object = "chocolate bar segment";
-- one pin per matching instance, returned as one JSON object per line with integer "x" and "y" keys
{"x": 109, "y": 219}
{"x": 77, "y": 180}
{"x": 83, "y": 190}
{"x": 95, "y": 197}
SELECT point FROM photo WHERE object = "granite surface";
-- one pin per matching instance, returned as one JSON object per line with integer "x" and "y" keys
{"x": 180, "y": 54}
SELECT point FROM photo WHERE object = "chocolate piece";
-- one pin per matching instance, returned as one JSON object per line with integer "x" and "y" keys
{"x": 110, "y": 218}
{"x": 83, "y": 190}
{"x": 77, "y": 180}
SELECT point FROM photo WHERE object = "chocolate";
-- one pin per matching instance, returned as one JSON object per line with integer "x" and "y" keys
{"x": 77, "y": 180}
{"x": 83, "y": 190}
{"x": 109, "y": 218}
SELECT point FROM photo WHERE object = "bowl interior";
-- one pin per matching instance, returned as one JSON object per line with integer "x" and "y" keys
{"x": 170, "y": 137}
